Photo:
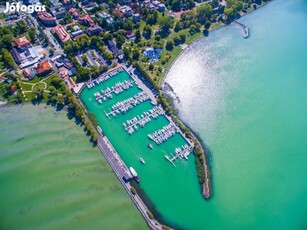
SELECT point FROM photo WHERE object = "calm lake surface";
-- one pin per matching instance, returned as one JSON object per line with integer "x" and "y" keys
{"x": 247, "y": 100}
{"x": 51, "y": 177}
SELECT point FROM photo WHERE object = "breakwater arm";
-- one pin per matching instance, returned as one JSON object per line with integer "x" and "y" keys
{"x": 201, "y": 162}
{"x": 201, "y": 158}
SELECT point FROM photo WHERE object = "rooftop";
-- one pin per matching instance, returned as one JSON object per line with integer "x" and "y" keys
{"x": 22, "y": 42}
{"x": 43, "y": 67}
{"x": 61, "y": 32}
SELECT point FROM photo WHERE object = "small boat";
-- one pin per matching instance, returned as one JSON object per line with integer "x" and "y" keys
{"x": 149, "y": 146}
{"x": 134, "y": 174}
{"x": 142, "y": 160}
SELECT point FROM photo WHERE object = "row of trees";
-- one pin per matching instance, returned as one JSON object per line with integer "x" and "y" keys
{"x": 60, "y": 96}
{"x": 7, "y": 59}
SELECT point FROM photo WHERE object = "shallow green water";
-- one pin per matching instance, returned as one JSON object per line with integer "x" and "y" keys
{"x": 52, "y": 178}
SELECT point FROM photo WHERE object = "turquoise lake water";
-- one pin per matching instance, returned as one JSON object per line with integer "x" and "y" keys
{"x": 247, "y": 99}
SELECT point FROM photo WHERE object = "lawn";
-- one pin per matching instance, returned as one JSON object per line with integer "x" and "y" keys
{"x": 25, "y": 87}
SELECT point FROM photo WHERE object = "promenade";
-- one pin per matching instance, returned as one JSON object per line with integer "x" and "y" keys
{"x": 119, "y": 168}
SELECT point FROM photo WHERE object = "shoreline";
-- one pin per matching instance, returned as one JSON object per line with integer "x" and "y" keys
{"x": 207, "y": 184}
{"x": 202, "y": 36}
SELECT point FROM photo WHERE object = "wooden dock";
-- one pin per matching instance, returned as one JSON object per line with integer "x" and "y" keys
{"x": 180, "y": 154}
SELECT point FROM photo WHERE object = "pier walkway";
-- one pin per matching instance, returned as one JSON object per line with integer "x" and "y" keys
{"x": 117, "y": 89}
{"x": 142, "y": 120}
{"x": 119, "y": 168}
{"x": 179, "y": 153}
{"x": 245, "y": 29}
{"x": 128, "y": 104}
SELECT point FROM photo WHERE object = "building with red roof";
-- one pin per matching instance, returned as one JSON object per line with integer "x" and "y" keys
{"x": 74, "y": 13}
{"x": 46, "y": 18}
{"x": 86, "y": 20}
{"x": 22, "y": 42}
{"x": 117, "y": 11}
{"x": 44, "y": 68}
{"x": 61, "y": 33}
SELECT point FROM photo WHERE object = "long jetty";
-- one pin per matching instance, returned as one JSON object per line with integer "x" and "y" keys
{"x": 245, "y": 29}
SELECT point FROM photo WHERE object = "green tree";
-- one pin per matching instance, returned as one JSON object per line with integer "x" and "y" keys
{"x": 165, "y": 24}
{"x": 178, "y": 27}
{"x": 51, "y": 51}
{"x": 38, "y": 91}
{"x": 135, "y": 54}
{"x": 204, "y": 11}
{"x": 20, "y": 28}
{"x": 32, "y": 34}
{"x": 138, "y": 36}
{"x": 148, "y": 31}
{"x": 151, "y": 67}
{"x": 169, "y": 45}
{"x": 8, "y": 59}
{"x": 6, "y": 41}
{"x": 127, "y": 53}
{"x": 84, "y": 58}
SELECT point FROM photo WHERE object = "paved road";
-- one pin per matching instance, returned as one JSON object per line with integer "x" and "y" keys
{"x": 57, "y": 48}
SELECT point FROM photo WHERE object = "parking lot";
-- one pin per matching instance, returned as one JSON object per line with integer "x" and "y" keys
{"x": 94, "y": 57}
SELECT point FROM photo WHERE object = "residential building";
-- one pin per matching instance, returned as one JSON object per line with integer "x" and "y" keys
{"x": 86, "y": 20}
{"x": 113, "y": 48}
{"x": 103, "y": 15}
{"x": 129, "y": 34}
{"x": 66, "y": 68}
{"x": 44, "y": 68}
{"x": 29, "y": 73}
{"x": 146, "y": 3}
{"x": 77, "y": 34}
{"x": 110, "y": 21}
{"x": 94, "y": 30}
{"x": 74, "y": 13}
{"x": 22, "y": 42}
{"x": 136, "y": 18}
{"x": 152, "y": 7}
{"x": 61, "y": 33}
{"x": 161, "y": 7}
{"x": 105, "y": 5}
{"x": 126, "y": 10}
{"x": 46, "y": 18}
{"x": 155, "y": 3}
{"x": 28, "y": 56}
{"x": 117, "y": 11}
{"x": 58, "y": 12}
